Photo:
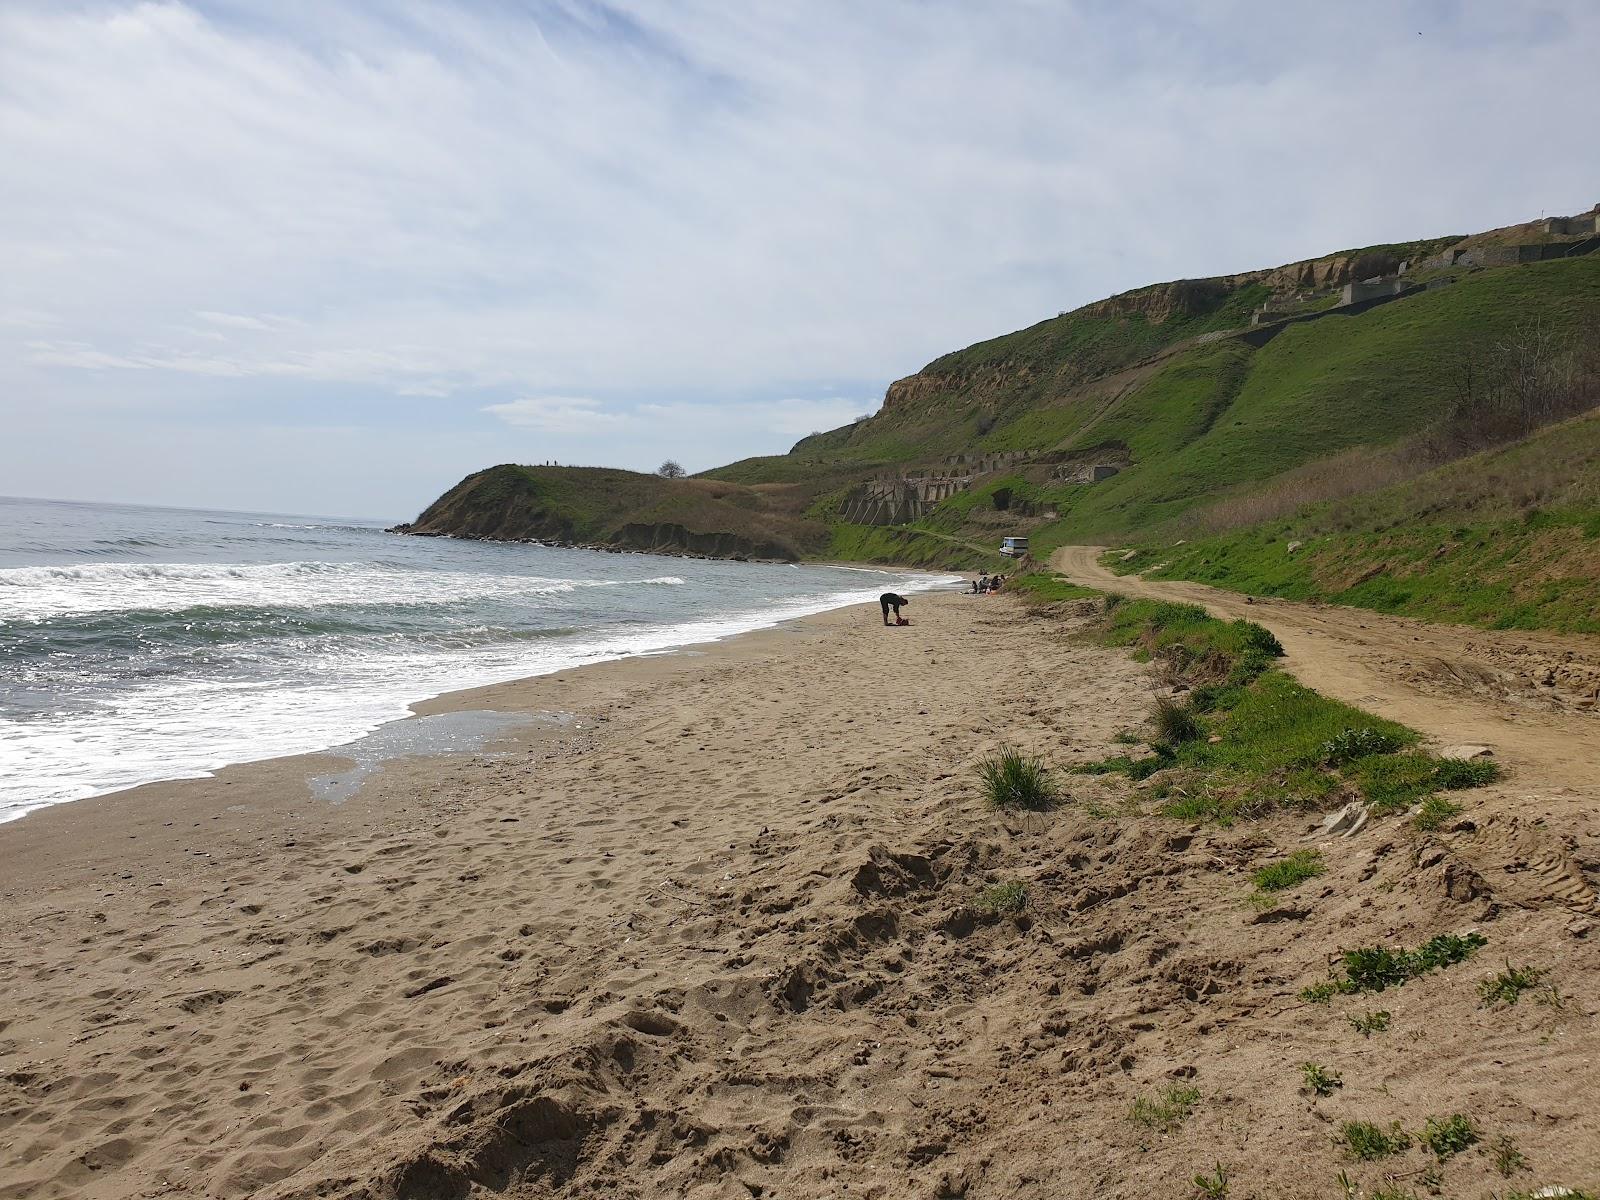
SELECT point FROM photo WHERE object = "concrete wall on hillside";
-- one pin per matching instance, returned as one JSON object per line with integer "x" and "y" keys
{"x": 1588, "y": 223}
{"x": 894, "y": 501}
{"x": 1086, "y": 472}
{"x": 984, "y": 462}
{"x": 1369, "y": 289}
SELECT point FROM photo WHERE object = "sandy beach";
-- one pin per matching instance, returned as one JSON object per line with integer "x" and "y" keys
{"x": 712, "y": 934}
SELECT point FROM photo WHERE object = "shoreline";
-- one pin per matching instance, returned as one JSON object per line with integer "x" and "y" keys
{"x": 414, "y": 708}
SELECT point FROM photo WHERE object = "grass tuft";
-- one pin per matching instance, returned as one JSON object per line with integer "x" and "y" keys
{"x": 1167, "y": 1110}
{"x": 1213, "y": 1186}
{"x": 1369, "y": 1142}
{"x": 1394, "y": 782}
{"x": 1435, "y": 811}
{"x": 1002, "y": 899}
{"x": 1175, "y": 723}
{"x": 1013, "y": 780}
{"x": 1289, "y": 872}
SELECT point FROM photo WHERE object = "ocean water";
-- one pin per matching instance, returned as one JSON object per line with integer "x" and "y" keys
{"x": 139, "y": 644}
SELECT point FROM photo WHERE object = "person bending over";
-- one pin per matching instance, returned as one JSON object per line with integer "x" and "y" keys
{"x": 889, "y": 600}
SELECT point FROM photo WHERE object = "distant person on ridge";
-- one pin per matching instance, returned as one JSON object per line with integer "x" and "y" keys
{"x": 889, "y": 600}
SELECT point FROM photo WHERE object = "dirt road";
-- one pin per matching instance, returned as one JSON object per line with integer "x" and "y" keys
{"x": 1531, "y": 697}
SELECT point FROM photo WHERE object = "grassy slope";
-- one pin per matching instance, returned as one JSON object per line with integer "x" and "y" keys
{"x": 1219, "y": 417}
{"x": 592, "y": 504}
{"x": 1206, "y": 421}
{"x": 1316, "y": 389}
{"x": 1507, "y": 539}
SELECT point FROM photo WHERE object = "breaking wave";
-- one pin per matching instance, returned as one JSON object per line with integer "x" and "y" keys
{"x": 40, "y": 593}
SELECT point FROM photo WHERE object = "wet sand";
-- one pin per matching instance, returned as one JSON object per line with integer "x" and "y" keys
{"x": 707, "y": 925}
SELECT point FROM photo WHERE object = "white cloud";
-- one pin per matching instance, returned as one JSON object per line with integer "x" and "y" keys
{"x": 434, "y": 208}
{"x": 232, "y": 320}
{"x": 557, "y": 414}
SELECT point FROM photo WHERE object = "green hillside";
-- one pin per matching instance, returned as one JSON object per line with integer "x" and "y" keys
{"x": 1196, "y": 407}
{"x": 1508, "y": 539}
{"x": 618, "y": 509}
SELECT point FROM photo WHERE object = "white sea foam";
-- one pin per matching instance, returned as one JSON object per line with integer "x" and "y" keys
{"x": 39, "y": 593}
{"x": 187, "y": 728}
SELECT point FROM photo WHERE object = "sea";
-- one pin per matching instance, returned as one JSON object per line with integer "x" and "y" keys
{"x": 140, "y": 644}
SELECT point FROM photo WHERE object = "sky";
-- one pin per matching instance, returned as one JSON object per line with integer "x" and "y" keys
{"x": 328, "y": 257}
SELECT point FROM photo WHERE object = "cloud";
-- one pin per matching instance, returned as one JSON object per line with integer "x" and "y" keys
{"x": 233, "y": 320}
{"x": 558, "y": 414}
{"x": 692, "y": 210}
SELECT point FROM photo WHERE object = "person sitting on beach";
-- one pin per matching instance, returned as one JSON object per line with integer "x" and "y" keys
{"x": 996, "y": 582}
{"x": 981, "y": 584}
{"x": 889, "y": 600}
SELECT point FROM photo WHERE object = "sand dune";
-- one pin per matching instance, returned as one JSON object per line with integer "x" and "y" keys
{"x": 716, "y": 937}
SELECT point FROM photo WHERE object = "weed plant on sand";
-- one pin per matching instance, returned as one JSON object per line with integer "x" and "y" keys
{"x": 1367, "y": 1024}
{"x": 1319, "y": 1080}
{"x": 1011, "y": 779}
{"x": 1213, "y": 1186}
{"x": 1369, "y": 1142}
{"x": 1447, "y": 1136}
{"x": 1166, "y": 1110}
{"x": 1374, "y": 968}
{"x": 1289, "y": 872}
{"x": 1507, "y": 987}
{"x": 1508, "y": 1157}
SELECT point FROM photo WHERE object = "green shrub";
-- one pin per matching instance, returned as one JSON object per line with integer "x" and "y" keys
{"x": 1288, "y": 872}
{"x": 1367, "y": 1141}
{"x": 1013, "y": 780}
{"x": 1374, "y": 968}
{"x": 1350, "y": 744}
{"x": 1449, "y": 1135}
